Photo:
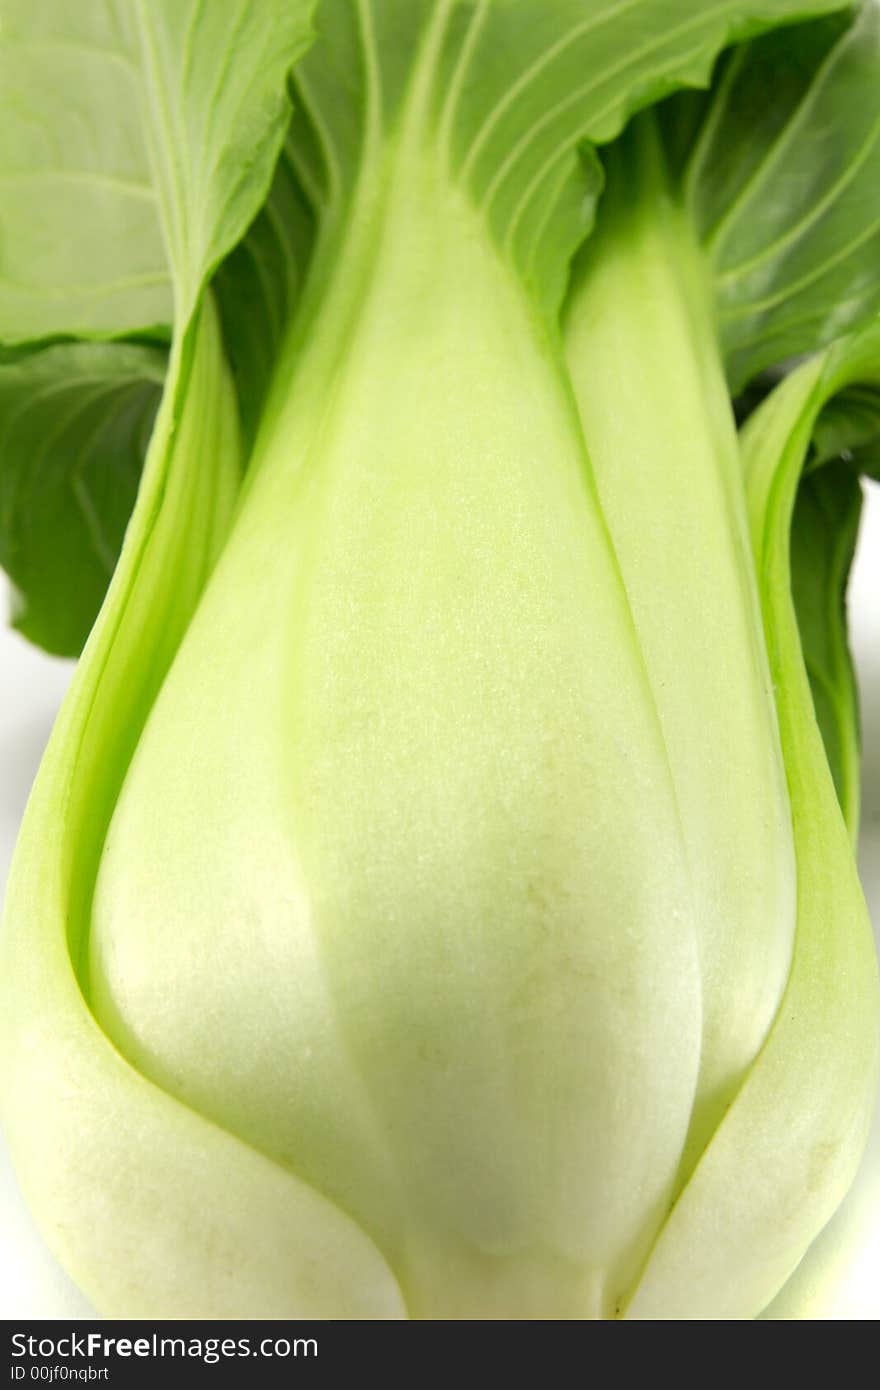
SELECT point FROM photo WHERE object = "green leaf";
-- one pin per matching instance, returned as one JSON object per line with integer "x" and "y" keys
{"x": 783, "y": 183}
{"x": 81, "y": 246}
{"x": 148, "y": 132}
{"x": 75, "y": 420}
{"x": 837, "y": 429}
{"x": 131, "y": 134}
{"x": 62, "y": 519}
{"x": 780, "y": 171}
{"x": 849, "y": 429}
{"x": 257, "y": 288}
{"x": 823, "y": 539}
{"x": 505, "y": 98}
{"x": 845, "y": 445}
{"x": 213, "y": 88}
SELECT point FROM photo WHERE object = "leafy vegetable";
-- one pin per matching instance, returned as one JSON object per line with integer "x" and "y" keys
{"x": 75, "y": 419}
{"x": 435, "y": 901}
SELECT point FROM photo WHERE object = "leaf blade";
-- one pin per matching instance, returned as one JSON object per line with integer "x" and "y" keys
{"x": 74, "y": 424}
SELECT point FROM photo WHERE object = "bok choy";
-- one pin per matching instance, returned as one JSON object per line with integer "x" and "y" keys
{"x": 438, "y": 898}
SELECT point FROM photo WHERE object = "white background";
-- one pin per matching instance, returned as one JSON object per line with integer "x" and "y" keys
{"x": 840, "y": 1278}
